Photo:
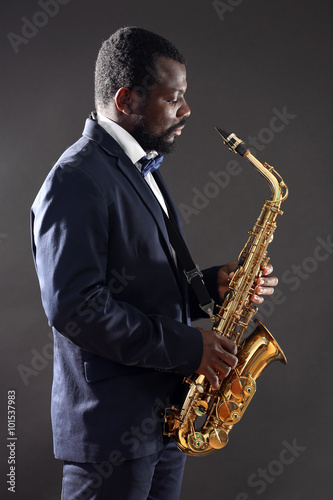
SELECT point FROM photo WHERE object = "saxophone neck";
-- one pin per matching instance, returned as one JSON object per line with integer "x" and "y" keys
{"x": 277, "y": 185}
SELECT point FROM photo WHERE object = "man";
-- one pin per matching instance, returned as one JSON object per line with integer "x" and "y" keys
{"x": 112, "y": 287}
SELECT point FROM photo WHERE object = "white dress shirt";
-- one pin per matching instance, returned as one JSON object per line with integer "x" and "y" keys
{"x": 133, "y": 150}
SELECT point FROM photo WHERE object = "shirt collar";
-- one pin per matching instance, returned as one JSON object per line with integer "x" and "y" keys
{"x": 130, "y": 145}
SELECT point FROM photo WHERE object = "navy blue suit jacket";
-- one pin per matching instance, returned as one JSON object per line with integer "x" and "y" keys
{"x": 117, "y": 303}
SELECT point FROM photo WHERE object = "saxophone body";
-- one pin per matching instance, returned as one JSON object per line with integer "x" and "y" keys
{"x": 203, "y": 422}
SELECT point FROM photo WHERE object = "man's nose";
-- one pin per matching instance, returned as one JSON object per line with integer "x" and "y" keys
{"x": 184, "y": 111}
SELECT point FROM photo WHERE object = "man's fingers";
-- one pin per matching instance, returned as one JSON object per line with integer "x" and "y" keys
{"x": 228, "y": 344}
{"x": 271, "y": 281}
{"x": 218, "y": 357}
{"x": 257, "y": 299}
{"x": 215, "y": 377}
{"x": 264, "y": 290}
{"x": 267, "y": 269}
{"x": 265, "y": 285}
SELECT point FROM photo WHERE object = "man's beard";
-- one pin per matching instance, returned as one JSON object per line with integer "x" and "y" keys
{"x": 149, "y": 142}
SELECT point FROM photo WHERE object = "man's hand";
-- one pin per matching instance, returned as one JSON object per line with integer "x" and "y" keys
{"x": 219, "y": 353}
{"x": 265, "y": 284}
{"x": 218, "y": 357}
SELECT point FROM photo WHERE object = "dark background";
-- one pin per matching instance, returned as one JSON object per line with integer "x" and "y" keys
{"x": 245, "y": 65}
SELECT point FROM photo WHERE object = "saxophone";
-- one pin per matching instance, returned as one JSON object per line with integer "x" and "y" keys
{"x": 203, "y": 422}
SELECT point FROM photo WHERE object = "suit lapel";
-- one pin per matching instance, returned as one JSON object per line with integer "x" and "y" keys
{"x": 152, "y": 204}
{"x": 96, "y": 133}
{"x": 169, "y": 201}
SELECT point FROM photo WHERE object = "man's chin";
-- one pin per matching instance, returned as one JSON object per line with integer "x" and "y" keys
{"x": 149, "y": 142}
{"x": 162, "y": 146}
{"x": 167, "y": 147}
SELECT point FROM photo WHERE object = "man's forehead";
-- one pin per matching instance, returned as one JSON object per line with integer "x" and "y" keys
{"x": 171, "y": 74}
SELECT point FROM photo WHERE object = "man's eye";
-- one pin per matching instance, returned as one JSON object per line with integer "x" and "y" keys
{"x": 172, "y": 102}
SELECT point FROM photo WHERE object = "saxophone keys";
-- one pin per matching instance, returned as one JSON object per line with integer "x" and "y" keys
{"x": 230, "y": 412}
{"x": 243, "y": 387}
{"x": 197, "y": 442}
{"x": 218, "y": 439}
{"x": 201, "y": 408}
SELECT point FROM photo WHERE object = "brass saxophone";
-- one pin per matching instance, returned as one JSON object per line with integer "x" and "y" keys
{"x": 203, "y": 422}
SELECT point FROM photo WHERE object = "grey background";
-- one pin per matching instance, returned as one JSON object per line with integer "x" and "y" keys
{"x": 257, "y": 57}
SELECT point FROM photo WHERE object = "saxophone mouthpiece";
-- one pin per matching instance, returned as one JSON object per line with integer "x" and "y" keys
{"x": 233, "y": 142}
{"x": 222, "y": 133}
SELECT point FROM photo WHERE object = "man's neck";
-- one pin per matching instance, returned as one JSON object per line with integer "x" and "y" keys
{"x": 130, "y": 145}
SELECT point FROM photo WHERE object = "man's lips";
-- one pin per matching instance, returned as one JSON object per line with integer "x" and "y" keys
{"x": 178, "y": 130}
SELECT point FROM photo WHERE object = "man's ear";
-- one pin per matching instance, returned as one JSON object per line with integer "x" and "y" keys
{"x": 123, "y": 100}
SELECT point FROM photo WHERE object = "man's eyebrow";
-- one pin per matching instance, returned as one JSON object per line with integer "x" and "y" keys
{"x": 181, "y": 91}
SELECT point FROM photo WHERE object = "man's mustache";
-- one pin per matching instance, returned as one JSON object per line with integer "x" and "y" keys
{"x": 176, "y": 127}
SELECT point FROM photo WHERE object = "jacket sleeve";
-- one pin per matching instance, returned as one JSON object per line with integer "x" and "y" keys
{"x": 70, "y": 234}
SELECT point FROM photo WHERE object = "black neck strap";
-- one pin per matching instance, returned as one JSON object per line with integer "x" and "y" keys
{"x": 191, "y": 271}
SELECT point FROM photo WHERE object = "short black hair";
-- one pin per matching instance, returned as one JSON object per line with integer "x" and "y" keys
{"x": 127, "y": 59}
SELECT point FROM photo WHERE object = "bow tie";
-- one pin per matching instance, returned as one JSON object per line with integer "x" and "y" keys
{"x": 150, "y": 165}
